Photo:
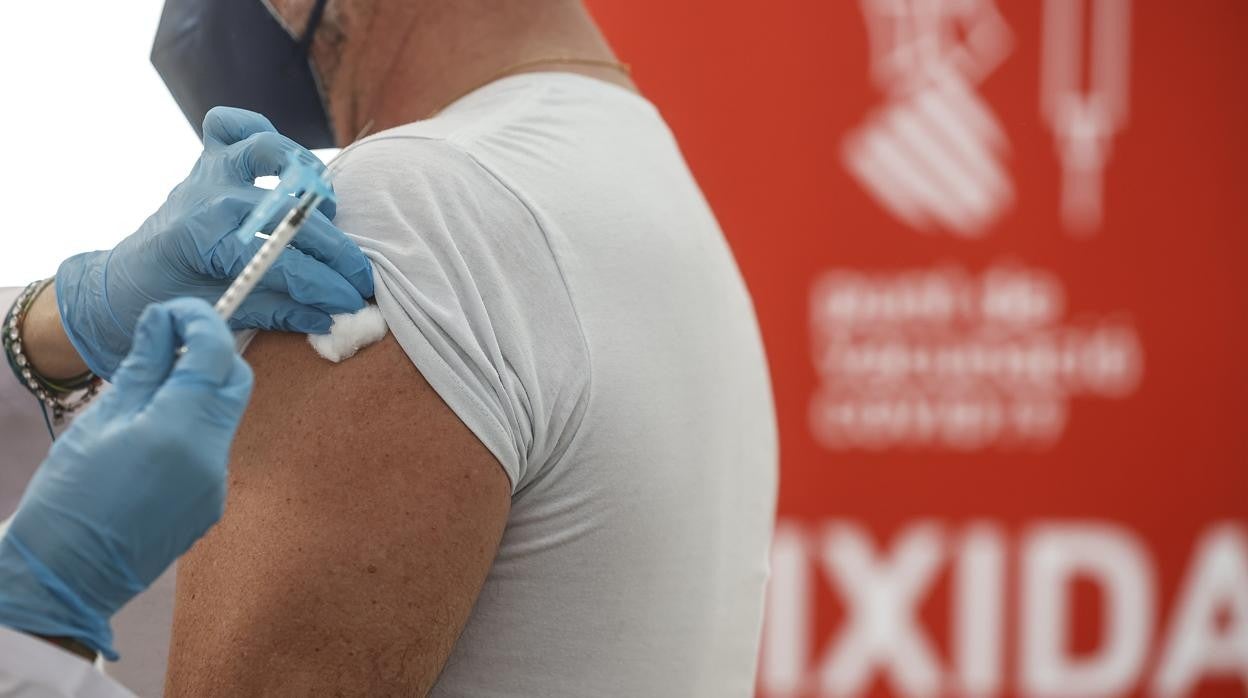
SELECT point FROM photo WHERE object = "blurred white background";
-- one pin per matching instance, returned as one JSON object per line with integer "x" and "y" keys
{"x": 92, "y": 140}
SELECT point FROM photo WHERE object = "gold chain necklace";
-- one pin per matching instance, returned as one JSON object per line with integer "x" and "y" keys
{"x": 624, "y": 68}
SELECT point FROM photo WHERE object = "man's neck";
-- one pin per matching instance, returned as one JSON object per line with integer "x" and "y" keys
{"x": 409, "y": 67}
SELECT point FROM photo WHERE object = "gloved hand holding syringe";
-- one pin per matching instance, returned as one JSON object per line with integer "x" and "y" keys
{"x": 202, "y": 237}
{"x": 141, "y": 474}
{"x": 305, "y": 184}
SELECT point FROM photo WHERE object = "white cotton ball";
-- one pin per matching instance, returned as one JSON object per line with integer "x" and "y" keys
{"x": 350, "y": 333}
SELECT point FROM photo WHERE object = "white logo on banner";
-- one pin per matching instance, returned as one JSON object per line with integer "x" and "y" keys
{"x": 933, "y": 154}
{"x": 884, "y": 636}
{"x": 941, "y": 358}
{"x": 1085, "y": 120}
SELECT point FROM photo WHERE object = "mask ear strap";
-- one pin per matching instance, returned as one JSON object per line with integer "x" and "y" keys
{"x": 314, "y": 22}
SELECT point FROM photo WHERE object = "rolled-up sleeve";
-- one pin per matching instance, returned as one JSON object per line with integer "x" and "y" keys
{"x": 470, "y": 288}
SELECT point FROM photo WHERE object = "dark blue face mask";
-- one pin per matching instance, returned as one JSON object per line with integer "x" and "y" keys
{"x": 237, "y": 53}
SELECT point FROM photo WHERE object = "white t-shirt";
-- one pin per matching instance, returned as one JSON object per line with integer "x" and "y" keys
{"x": 547, "y": 261}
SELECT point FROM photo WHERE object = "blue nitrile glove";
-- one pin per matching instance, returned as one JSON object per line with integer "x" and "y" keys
{"x": 136, "y": 480}
{"x": 188, "y": 248}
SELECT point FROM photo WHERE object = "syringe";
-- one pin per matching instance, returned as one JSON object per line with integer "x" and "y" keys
{"x": 259, "y": 264}
{"x": 299, "y": 176}
{"x": 305, "y": 182}
{"x": 308, "y": 182}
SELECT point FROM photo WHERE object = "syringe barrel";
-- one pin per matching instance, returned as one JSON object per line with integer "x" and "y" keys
{"x": 265, "y": 257}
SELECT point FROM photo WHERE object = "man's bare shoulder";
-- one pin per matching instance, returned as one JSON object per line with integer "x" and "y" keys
{"x": 362, "y": 520}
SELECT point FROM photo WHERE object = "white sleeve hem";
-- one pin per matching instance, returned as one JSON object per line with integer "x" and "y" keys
{"x": 454, "y": 392}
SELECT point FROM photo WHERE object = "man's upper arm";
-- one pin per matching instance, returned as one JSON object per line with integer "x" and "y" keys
{"x": 362, "y": 519}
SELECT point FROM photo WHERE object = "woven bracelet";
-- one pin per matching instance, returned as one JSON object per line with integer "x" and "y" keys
{"x": 52, "y": 394}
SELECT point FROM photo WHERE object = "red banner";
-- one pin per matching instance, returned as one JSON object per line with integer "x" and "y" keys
{"x": 997, "y": 254}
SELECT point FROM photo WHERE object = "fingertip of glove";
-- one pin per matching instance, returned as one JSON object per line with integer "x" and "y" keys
{"x": 240, "y": 381}
{"x": 154, "y": 313}
{"x": 328, "y": 208}
{"x": 363, "y": 280}
{"x": 309, "y": 322}
{"x": 148, "y": 349}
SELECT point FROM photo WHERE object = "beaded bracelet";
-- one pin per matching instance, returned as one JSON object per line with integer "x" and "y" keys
{"x": 53, "y": 395}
